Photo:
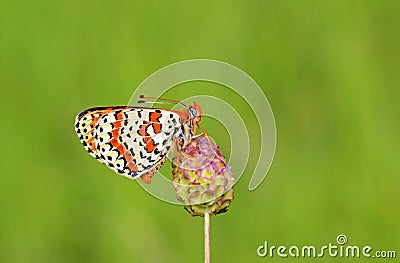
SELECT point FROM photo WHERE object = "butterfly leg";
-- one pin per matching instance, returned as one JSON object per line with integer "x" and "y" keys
{"x": 204, "y": 134}
{"x": 176, "y": 143}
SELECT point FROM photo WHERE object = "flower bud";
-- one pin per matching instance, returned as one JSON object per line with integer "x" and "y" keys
{"x": 202, "y": 180}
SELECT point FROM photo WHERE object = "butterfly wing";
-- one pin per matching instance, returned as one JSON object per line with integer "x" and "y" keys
{"x": 85, "y": 124}
{"x": 132, "y": 141}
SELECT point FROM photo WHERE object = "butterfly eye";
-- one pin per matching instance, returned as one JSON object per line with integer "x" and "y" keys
{"x": 193, "y": 112}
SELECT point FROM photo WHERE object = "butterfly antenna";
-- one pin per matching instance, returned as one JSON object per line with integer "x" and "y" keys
{"x": 166, "y": 101}
{"x": 155, "y": 102}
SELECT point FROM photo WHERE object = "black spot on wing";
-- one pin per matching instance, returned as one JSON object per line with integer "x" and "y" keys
{"x": 146, "y": 167}
{"x": 133, "y": 174}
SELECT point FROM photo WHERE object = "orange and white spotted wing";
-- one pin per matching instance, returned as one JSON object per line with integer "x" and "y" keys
{"x": 133, "y": 142}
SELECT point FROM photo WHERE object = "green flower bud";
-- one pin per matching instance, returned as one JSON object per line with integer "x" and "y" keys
{"x": 202, "y": 180}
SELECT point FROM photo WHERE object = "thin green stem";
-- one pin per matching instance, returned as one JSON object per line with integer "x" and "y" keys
{"x": 207, "y": 237}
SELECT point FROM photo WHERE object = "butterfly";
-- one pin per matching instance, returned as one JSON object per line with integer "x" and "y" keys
{"x": 135, "y": 141}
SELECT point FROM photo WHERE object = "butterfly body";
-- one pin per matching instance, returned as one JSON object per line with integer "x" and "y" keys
{"x": 135, "y": 141}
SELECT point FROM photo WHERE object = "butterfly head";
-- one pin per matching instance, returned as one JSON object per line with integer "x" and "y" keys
{"x": 195, "y": 112}
{"x": 191, "y": 117}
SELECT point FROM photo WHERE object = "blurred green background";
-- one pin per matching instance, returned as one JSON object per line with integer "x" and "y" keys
{"x": 330, "y": 70}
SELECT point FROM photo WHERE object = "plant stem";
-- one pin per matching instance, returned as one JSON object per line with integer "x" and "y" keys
{"x": 207, "y": 237}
